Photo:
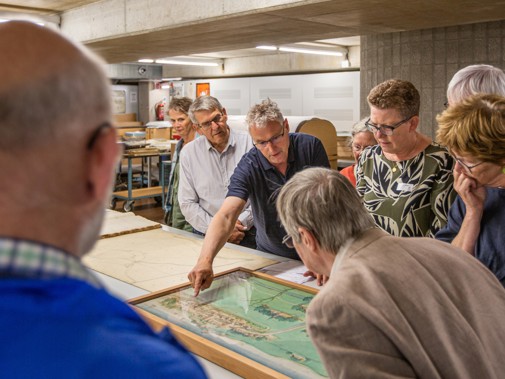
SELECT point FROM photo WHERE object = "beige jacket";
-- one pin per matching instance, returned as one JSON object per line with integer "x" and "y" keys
{"x": 409, "y": 307}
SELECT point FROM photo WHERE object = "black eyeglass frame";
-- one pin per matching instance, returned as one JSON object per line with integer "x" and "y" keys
{"x": 261, "y": 145}
{"x": 387, "y": 130}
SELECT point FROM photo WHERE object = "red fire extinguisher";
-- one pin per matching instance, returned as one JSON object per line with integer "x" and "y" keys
{"x": 160, "y": 111}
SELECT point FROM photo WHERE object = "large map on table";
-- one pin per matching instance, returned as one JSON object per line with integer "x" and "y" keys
{"x": 257, "y": 318}
{"x": 157, "y": 259}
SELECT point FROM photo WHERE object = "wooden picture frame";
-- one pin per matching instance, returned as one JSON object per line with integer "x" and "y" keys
{"x": 250, "y": 323}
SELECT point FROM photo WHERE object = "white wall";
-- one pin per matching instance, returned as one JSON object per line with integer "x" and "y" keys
{"x": 333, "y": 96}
{"x": 131, "y": 99}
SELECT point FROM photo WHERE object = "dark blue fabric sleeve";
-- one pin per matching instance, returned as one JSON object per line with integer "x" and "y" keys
{"x": 455, "y": 219}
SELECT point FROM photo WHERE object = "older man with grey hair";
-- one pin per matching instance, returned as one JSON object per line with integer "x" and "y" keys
{"x": 206, "y": 167}
{"x": 58, "y": 158}
{"x": 277, "y": 156}
{"x": 393, "y": 307}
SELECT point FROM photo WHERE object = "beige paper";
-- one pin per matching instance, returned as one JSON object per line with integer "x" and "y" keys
{"x": 118, "y": 223}
{"x": 156, "y": 259}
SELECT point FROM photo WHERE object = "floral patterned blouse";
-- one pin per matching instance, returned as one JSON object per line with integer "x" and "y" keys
{"x": 409, "y": 198}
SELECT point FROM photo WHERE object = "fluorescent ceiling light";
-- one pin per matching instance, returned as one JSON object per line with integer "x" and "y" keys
{"x": 187, "y": 63}
{"x": 165, "y": 86}
{"x": 266, "y": 47}
{"x": 145, "y": 60}
{"x": 171, "y": 79}
{"x": 310, "y": 51}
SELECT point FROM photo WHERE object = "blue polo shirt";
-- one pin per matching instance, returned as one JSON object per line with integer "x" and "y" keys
{"x": 256, "y": 180}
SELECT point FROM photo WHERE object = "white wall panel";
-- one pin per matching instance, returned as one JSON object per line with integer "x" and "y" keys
{"x": 333, "y": 96}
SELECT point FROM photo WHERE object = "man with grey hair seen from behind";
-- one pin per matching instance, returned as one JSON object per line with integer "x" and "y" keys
{"x": 277, "y": 156}
{"x": 393, "y": 307}
{"x": 58, "y": 159}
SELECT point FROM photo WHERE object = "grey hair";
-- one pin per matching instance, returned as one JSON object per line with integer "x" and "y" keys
{"x": 325, "y": 203}
{"x": 203, "y": 103}
{"x": 479, "y": 78}
{"x": 358, "y": 127}
{"x": 58, "y": 101}
{"x": 261, "y": 114}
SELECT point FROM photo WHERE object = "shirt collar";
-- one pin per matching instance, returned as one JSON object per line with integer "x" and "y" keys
{"x": 21, "y": 258}
{"x": 339, "y": 258}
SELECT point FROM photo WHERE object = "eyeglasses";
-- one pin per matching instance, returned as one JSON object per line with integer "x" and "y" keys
{"x": 275, "y": 139}
{"x": 96, "y": 133}
{"x": 215, "y": 120}
{"x": 467, "y": 167}
{"x": 387, "y": 130}
{"x": 288, "y": 241}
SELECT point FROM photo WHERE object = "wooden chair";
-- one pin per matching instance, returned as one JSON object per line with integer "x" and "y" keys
{"x": 325, "y": 131}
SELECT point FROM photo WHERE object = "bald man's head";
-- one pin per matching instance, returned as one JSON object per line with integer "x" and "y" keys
{"x": 51, "y": 88}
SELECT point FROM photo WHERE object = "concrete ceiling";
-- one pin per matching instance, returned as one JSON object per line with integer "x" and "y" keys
{"x": 305, "y": 21}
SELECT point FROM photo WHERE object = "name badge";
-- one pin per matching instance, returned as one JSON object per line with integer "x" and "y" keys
{"x": 405, "y": 187}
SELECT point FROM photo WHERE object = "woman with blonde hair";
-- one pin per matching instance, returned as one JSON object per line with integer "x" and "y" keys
{"x": 474, "y": 131}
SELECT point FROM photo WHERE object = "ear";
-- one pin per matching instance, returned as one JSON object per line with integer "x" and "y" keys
{"x": 101, "y": 164}
{"x": 286, "y": 124}
{"x": 308, "y": 239}
{"x": 224, "y": 112}
{"x": 414, "y": 123}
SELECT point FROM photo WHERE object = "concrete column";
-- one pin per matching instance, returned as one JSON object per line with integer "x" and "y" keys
{"x": 429, "y": 58}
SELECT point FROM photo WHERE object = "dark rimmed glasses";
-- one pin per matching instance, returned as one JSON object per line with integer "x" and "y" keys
{"x": 275, "y": 139}
{"x": 387, "y": 130}
{"x": 207, "y": 124}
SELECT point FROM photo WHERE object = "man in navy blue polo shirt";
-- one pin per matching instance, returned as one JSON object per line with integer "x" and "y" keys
{"x": 277, "y": 156}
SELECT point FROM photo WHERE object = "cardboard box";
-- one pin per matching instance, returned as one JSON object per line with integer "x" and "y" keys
{"x": 159, "y": 133}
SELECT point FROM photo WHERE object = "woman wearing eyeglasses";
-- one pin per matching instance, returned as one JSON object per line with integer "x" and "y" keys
{"x": 361, "y": 138}
{"x": 474, "y": 132}
{"x": 406, "y": 180}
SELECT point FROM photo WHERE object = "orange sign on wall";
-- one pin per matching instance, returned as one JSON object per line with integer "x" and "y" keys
{"x": 202, "y": 89}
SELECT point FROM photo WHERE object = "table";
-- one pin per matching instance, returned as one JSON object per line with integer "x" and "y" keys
{"x": 130, "y": 195}
{"x": 127, "y": 291}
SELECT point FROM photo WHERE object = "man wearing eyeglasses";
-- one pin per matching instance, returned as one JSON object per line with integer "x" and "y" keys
{"x": 405, "y": 180}
{"x": 58, "y": 160}
{"x": 393, "y": 307}
{"x": 206, "y": 167}
{"x": 277, "y": 156}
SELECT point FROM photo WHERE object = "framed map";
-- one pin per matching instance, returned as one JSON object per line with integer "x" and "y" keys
{"x": 250, "y": 323}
